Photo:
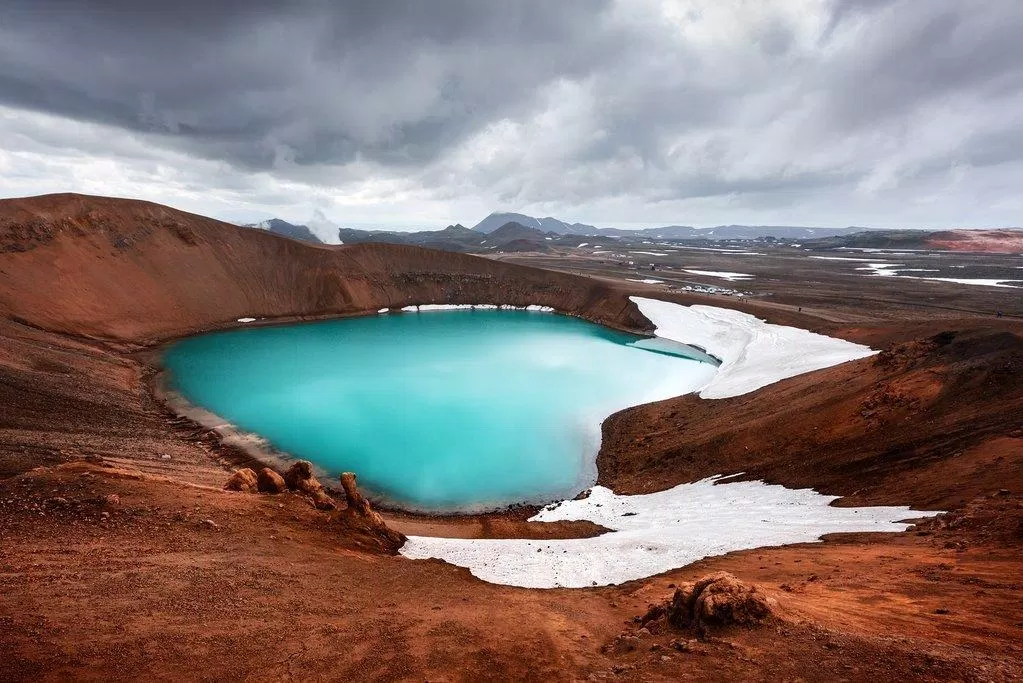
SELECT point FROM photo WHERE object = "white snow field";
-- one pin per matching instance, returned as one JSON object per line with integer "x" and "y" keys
{"x": 658, "y": 532}
{"x": 731, "y": 277}
{"x": 882, "y": 269}
{"x": 983, "y": 282}
{"x": 426, "y": 308}
{"x": 661, "y": 531}
{"x": 887, "y": 269}
{"x": 753, "y": 353}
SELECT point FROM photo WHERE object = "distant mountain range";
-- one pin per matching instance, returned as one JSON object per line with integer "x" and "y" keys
{"x": 519, "y": 232}
{"x": 738, "y": 232}
{"x": 678, "y": 232}
{"x": 511, "y": 236}
{"x": 460, "y": 238}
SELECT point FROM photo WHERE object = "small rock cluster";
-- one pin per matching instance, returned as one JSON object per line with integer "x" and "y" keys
{"x": 364, "y": 526}
{"x": 299, "y": 477}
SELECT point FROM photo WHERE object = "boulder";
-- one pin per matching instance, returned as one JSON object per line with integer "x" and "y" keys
{"x": 242, "y": 480}
{"x": 300, "y": 477}
{"x": 717, "y": 599}
{"x": 268, "y": 481}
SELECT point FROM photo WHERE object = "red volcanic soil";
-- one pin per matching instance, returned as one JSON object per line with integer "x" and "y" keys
{"x": 121, "y": 557}
{"x": 990, "y": 241}
{"x": 137, "y": 271}
{"x": 933, "y": 423}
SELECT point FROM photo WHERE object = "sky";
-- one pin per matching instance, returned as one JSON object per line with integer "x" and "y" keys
{"x": 417, "y": 114}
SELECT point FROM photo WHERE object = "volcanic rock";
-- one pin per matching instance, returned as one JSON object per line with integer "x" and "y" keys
{"x": 356, "y": 501}
{"x": 242, "y": 480}
{"x": 363, "y": 523}
{"x": 717, "y": 599}
{"x": 322, "y": 501}
{"x": 299, "y": 477}
{"x": 269, "y": 481}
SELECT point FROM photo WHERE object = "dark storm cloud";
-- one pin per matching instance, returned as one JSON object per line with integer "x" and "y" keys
{"x": 295, "y": 82}
{"x": 555, "y": 103}
{"x": 914, "y": 52}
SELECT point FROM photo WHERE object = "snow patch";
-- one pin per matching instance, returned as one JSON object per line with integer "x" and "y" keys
{"x": 731, "y": 277}
{"x": 882, "y": 269}
{"x": 649, "y": 281}
{"x": 657, "y": 532}
{"x": 246, "y": 320}
{"x": 984, "y": 282}
{"x": 725, "y": 251}
{"x": 426, "y": 308}
{"x": 839, "y": 258}
{"x": 753, "y": 353}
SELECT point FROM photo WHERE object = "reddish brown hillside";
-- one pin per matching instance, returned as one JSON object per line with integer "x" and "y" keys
{"x": 139, "y": 271}
{"x": 990, "y": 241}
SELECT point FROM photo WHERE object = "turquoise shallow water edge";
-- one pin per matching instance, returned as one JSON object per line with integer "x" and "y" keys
{"x": 446, "y": 411}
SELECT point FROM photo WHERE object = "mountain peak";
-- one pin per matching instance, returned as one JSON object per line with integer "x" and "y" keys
{"x": 548, "y": 224}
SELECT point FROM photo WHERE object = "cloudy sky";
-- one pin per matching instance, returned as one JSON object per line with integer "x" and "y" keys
{"x": 899, "y": 113}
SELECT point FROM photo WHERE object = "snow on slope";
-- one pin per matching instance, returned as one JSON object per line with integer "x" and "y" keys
{"x": 753, "y": 353}
{"x": 657, "y": 532}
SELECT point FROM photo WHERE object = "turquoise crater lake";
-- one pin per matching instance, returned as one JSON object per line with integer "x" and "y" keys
{"x": 445, "y": 411}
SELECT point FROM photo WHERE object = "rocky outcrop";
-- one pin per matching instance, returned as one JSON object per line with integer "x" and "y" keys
{"x": 363, "y": 524}
{"x": 718, "y": 600}
{"x": 357, "y": 503}
{"x": 269, "y": 481}
{"x": 243, "y": 480}
{"x": 715, "y": 600}
{"x": 300, "y": 478}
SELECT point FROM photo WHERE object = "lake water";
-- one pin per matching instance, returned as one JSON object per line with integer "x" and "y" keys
{"x": 446, "y": 411}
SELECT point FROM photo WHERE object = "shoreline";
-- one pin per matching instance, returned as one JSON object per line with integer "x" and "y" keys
{"x": 248, "y": 449}
{"x": 258, "y": 450}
